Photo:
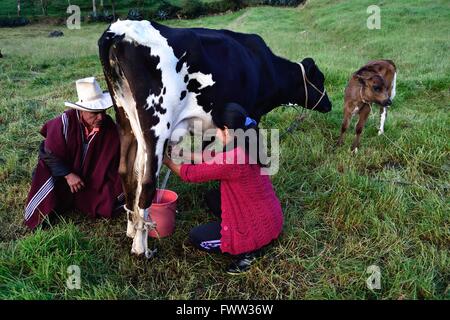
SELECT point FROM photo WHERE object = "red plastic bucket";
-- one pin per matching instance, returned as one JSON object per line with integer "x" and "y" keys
{"x": 163, "y": 213}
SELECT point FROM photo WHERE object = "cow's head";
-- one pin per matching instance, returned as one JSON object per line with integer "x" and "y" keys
{"x": 317, "y": 79}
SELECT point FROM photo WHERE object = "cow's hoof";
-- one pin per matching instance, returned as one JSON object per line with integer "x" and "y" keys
{"x": 355, "y": 151}
{"x": 138, "y": 245}
{"x": 380, "y": 132}
{"x": 137, "y": 251}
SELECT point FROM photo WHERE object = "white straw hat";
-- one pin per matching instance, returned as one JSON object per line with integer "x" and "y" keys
{"x": 90, "y": 97}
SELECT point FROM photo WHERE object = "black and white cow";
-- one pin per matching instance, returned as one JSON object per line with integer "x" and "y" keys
{"x": 163, "y": 78}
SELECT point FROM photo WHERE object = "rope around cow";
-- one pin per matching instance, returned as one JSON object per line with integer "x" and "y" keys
{"x": 296, "y": 122}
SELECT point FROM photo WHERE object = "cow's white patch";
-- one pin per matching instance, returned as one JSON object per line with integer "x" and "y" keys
{"x": 205, "y": 80}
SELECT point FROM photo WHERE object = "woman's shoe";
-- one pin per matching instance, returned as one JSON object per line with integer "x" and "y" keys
{"x": 242, "y": 264}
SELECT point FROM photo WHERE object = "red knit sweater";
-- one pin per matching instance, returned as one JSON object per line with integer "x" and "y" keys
{"x": 251, "y": 212}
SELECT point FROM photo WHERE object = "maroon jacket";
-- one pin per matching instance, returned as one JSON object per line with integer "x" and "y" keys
{"x": 96, "y": 162}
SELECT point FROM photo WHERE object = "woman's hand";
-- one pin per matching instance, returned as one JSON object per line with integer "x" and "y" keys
{"x": 75, "y": 183}
{"x": 166, "y": 160}
{"x": 171, "y": 165}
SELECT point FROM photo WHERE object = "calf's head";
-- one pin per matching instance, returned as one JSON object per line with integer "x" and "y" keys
{"x": 373, "y": 87}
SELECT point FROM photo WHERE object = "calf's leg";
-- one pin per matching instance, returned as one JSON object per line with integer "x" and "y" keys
{"x": 345, "y": 124}
{"x": 363, "y": 116}
{"x": 383, "y": 115}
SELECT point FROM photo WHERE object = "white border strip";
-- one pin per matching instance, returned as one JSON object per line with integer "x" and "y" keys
{"x": 65, "y": 123}
{"x": 45, "y": 189}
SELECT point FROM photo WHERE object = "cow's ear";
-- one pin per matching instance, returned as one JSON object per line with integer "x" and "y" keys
{"x": 309, "y": 65}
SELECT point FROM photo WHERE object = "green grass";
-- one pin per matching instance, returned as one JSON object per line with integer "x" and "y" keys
{"x": 388, "y": 205}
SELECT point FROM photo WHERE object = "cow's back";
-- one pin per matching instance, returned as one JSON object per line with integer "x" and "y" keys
{"x": 241, "y": 64}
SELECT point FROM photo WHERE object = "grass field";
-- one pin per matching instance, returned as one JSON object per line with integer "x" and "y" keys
{"x": 388, "y": 205}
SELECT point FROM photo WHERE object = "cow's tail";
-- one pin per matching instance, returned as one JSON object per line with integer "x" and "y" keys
{"x": 105, "y": 44}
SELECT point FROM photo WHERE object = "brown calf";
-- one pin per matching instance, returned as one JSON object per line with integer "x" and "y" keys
{"x": 373, "y": 83}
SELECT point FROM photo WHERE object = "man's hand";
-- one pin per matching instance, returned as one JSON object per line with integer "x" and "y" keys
{"x": 75, "y": 183}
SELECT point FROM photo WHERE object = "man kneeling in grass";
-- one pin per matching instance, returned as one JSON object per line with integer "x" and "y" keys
{"x": 78, "y": 160}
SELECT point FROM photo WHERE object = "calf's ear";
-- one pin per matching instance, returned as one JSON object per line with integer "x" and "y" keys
{"x": 362, "y": 80}
{"x": 365, "y": 73}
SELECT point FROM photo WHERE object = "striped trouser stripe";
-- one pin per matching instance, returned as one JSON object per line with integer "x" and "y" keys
{"x": 38, "y": 197}
{"x": 210, "y": 244}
